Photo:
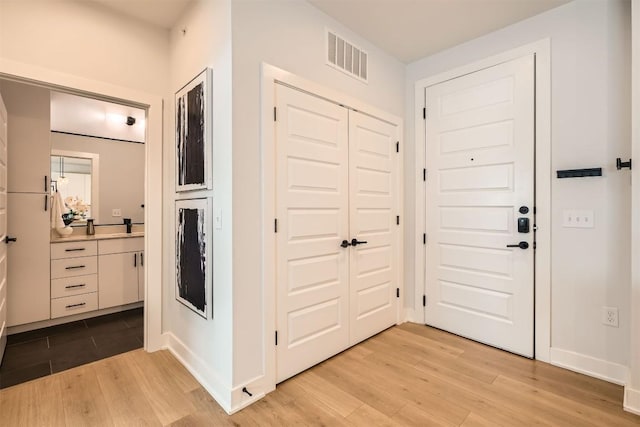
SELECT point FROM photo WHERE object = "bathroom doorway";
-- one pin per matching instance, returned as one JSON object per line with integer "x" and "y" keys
{"x": 84, "y": 300}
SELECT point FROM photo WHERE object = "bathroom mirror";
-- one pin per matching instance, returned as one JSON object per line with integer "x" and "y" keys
{"x": 116, "y": 176}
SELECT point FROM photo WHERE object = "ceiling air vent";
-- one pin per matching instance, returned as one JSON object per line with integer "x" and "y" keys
{"x": 346, "y": 57}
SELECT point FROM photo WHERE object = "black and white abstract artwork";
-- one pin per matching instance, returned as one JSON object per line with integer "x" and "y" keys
{"x": 193, "y": 134}
{"x": 193, "y": 255}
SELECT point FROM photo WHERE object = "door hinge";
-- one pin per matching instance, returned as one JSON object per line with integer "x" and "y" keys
{"x": 275, "y": 225}
{"x": 424, "y": 174}
{"x": 397, "y": 146}
{"x": 424, "y": 238}
{"x": 397, "y": 219}
{"x": 276, "y": 337}
{"x": 275, "y": 114}
{"x": 424, "y": 113}
{"x": 397, "y": 292}
{"x": 424, "y": 300}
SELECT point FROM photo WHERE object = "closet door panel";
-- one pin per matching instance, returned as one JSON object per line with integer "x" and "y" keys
{"x": 312, "y": 199}
{"x": 374, "y": 204}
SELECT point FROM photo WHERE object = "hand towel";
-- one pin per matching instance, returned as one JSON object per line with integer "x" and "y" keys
{"x": 56, "y": 212}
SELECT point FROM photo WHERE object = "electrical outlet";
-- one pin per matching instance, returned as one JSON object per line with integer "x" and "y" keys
{"x": 116, "y": 212}
{"x": 577, "y": 219}
{"x": 610, "y": 316}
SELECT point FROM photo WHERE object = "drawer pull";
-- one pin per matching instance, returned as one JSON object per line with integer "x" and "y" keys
{"x": 76, "y": 305}
{"x": 74, "y": 267}
{"x": 75, "y": 286}
{"x": 75, "y": 249}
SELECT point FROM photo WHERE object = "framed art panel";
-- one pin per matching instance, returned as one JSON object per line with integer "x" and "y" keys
{"x": 193, "y": 133}
{"x": 193, "y": 255}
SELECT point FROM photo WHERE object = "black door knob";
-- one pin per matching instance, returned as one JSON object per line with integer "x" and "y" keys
{"x": 356, "y": 242}
{"x": 8, "y": 239}
{"x": 521, "y": 245}
{"x": 345, "y": 243}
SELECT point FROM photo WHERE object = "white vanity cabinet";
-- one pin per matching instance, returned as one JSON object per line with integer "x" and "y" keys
{"x": 120, "y": 269}
{"x": 74, "y": 278}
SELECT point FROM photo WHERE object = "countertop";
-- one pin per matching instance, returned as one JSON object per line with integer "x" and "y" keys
{"x": 102, "y": 232}
{"x": 98, "y": 236}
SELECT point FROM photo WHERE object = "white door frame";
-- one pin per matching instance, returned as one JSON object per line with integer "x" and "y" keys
{"x": 542, "y": 51}
{"x": 269, "y": 76}
{"x": 51, "y": 79}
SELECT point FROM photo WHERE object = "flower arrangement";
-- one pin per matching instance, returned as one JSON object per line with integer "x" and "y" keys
{"x": 77, "y": 209}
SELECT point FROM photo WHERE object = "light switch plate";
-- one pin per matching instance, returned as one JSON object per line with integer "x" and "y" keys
{"x": 116, "y": 212}
{"x": 578, "y": 219}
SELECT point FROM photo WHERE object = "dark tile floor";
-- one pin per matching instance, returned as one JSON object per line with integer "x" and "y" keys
{"x": 42, "y": 352}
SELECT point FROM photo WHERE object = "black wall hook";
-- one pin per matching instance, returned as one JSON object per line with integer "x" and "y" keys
{"x": 620, "y": 164}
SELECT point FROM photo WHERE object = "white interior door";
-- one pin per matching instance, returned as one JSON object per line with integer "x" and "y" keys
{"x": 480, "y": 165}
{"x": 3, "y": 228}
{"x": 312, "y": 199}
{"x": 374, "y": 196}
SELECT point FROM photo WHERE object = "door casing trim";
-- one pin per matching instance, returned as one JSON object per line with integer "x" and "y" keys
{"x": 542, "y": 269}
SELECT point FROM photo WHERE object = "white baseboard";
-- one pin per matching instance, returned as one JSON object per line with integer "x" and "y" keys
{"x": 205, "y": 376}
{"x": 632, "y": 400}
{"x": 258, "y": 387}
{"x": 407, "y": 315}
{"x": 597, "y": 368}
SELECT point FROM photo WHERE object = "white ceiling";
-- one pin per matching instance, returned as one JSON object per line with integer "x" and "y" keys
{"x": 162, "y": 13}
{"x": 414, "y": 29}
{"x": 406, "y": 29}
{"x": 87, "y": 116}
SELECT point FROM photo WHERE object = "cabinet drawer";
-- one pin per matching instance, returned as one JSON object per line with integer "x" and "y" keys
{"x": 73, "y": 249}
{"x": 114, "y": 246}
{"x": 69, "y": 286}
{"x": 74, "y": 267}
{"x": 74, "y": 305}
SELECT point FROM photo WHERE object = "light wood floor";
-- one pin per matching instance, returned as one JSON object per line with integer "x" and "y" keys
{"x": 407, "y": 375}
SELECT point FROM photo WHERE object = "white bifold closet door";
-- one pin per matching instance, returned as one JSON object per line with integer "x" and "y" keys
{"x": 335, "y": 181}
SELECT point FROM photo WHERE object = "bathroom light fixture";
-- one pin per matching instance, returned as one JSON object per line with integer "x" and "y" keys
{"x": 131, "y": 121}
{"x": 62, "y": 180}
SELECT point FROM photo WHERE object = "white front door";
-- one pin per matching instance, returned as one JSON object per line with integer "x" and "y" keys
{"x": 312, "y": 199}
{"x": 3, "y": 228}
{"x": 374, "y": 196}
{"x": 480, "y": 182}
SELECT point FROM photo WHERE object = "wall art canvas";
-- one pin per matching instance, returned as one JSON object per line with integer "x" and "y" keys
{"x": 193, "y": 134}
{"x": 193, "y": 255}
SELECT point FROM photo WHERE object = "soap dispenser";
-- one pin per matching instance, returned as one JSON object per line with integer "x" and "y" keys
{"x": 90, "y": 228}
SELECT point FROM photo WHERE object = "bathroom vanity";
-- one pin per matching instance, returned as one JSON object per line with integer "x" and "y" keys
{"x": 90, "y": 273}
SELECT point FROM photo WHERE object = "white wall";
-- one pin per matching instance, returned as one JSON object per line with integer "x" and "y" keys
{"x": 84, "y": 39}
{"x": 204, "y": 345}
{"x": 590, "y": 128}
{"x": 121, "y": 174}
{"x": 288, "y": 35}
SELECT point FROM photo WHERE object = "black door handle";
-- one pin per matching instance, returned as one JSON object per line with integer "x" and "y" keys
{"x": 521, "y": 245}
{"x": 345, "y": 243}
{"x": 8, "y": 239}
{"x": 356, "y": 242}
